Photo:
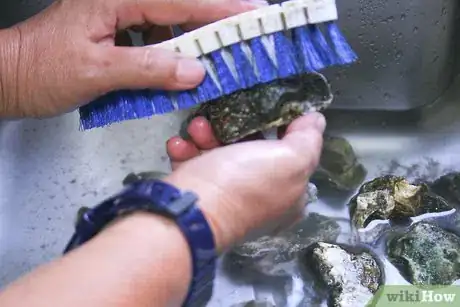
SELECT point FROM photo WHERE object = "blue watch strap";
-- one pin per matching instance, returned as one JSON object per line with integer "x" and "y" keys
{"x": 200, "y": 239}
{"x": 161, "y": 198}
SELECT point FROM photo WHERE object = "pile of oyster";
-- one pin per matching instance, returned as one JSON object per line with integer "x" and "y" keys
{"x": 421, "y": 241}
{"x": 425, "y": 251}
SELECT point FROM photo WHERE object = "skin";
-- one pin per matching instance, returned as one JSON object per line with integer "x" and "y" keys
{"x": 245, "y": 190}
{"x": 66, "y": 55}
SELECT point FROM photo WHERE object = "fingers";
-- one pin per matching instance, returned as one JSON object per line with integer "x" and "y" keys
{"x": 304, "y": 136}
{"x": 201, "y": 132}
{"x": 202, "y": 138}
{"x": 310, "y": 121}
{"x": 180, "y": 150}
{"x": 148, "y": 67}
{"x": 168, "y": 12}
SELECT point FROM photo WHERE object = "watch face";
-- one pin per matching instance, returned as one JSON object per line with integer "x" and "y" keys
{"x": 132, "y": 177}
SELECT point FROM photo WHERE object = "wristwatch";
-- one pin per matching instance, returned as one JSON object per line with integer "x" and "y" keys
{"x": 161, "y": 198}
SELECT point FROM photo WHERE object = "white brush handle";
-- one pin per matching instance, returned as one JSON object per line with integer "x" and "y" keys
{"x": 256, "y": 23}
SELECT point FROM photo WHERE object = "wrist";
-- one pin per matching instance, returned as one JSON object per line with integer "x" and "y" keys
{"x": 211, "y": 202}
{"x": 10, "y": 40}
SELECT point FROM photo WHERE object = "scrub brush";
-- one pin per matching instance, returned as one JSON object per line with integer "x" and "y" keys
{"x": 238, "y": 52}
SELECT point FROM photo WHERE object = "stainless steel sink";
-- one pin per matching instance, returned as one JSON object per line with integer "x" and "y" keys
{"x": 399, "y": 107}
{"x": 407, "y": 53}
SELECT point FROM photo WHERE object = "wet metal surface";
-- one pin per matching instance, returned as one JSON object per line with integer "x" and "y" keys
{"x": 48, "y": 168}
{"x": 407, "y": 53}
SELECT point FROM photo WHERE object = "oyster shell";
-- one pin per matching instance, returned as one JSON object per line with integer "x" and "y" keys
{"x": 264, "y": 106}
{"x": 426, "y": 255}
{"x": 311, "y": 193}
{"x": 394, "y": 198}
{"x": 448, "y": 186}
{"x": 275, "y": 255}
{"x": 339, "y": 165}
{"x": 133, "y": 177}
{"x": 351, "y": 278}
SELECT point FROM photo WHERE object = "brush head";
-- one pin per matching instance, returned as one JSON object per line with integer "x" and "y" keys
{"x": 241, "y": 52}
{"x": 263, "y": 107}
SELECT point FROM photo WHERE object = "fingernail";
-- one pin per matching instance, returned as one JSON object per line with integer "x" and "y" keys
{"x": 257, "y": 2}
{"x": 320, "y": 122}
{"x": 189, "y": 71}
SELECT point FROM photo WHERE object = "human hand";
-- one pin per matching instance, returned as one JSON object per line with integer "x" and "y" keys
{"x": 66, "y": 55}
{"x": 247, "y": 186}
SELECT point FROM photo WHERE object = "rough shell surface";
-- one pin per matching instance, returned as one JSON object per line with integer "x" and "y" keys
{"x": 339, "y": 166}
{"x": 351, "y": 278}
{"x": 264, "y": 106}
{"x": 132, "y": 177}
{"x": 275, "y": 255}
{"x": 448, "y": 186}
{"x": 394, "y": 198}
{"x": 426, "y": 255}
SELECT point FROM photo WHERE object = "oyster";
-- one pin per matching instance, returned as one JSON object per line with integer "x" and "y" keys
{"x": 311, "y": 193}
{"x": 339, "y": 165}
{"x": 264, "y": 106}
{"x": 351, "y": 278}
{"x": 394, "y": 198}
{"x": 276, "y": 255}
{"x": 426, "y": 255}
{"x": 448, "y": 186}
{"x": 132, "y": 177}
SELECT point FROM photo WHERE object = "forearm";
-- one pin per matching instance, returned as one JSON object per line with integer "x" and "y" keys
{"x": 9, "y": 63}
{"x": 142, "y": 260}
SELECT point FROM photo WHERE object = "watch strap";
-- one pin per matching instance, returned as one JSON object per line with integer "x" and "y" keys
{"x": 160, "y": 198}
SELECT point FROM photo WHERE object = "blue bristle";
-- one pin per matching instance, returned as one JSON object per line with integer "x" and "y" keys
{"x": 107, "y": 109}
{"x": 226, "y": 78}
{"x": 303, "y": 49}
{"x": 266, "y": 68}
{"x": 94, "y": 114}
{"x": 285, "y": 56}
{"x": 322, "y": 47}
{"x": 125, "y": 109}
{"x": 243, "y": 66}
{"x": 207, "y": 90}
{"x": 142, "y": 105}
{"x": 344, "y": 52}
{"x": 161, "y": 101}
{"x": 309, "y": 57}
{"x": 185, "y": 100}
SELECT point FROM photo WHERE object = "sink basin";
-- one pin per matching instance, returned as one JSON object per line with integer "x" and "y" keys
{"x": 407, "y": 53}
{"x": 399, "y": 107}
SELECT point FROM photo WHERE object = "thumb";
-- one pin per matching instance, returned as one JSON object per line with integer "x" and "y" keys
{"x": 305, "y": 137}
{"x": 148, "y": 67}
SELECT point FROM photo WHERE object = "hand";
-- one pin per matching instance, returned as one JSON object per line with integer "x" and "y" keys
{"x": 250, "y": 185}
{"x": 66, "y": 55}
